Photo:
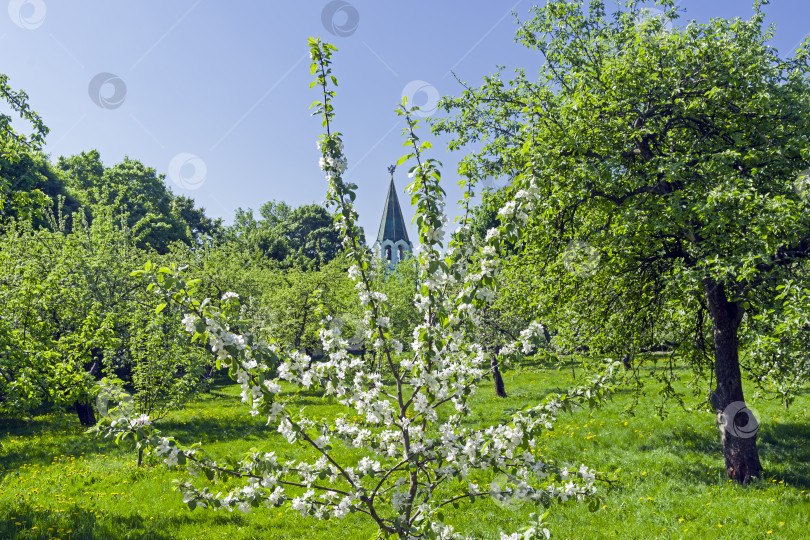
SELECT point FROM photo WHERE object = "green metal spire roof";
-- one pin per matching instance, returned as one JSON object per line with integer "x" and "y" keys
{"x": 392, "y": 225}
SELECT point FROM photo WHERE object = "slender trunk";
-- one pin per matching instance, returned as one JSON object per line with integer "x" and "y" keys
{"x": 412, "y": 490}
{"x": 738, "y": 427}
{"x": 500, "y": 390}
{"x": 85, "y": 411}
{"x": 626, "y": 362}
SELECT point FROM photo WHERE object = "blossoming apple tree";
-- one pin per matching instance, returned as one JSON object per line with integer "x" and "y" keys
{"x": 418, "y": 456}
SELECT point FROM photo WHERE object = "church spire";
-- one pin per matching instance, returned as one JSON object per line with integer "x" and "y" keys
{"x": 392, "y": 242}
{"x": 392, "y": 225}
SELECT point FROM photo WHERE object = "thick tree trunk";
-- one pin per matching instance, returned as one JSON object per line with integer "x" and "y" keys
{"x": 737, "y": 425}
{"x": 85, "y": 411}
{"x": 500, "y": 390}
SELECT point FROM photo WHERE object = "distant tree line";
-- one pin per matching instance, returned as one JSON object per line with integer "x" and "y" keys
{"x": 76, "y": 325}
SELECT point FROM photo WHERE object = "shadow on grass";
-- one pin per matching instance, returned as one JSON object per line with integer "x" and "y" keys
{"x": 787, "y": 443}
{"x": 25, "y": 521}
{"x": 53, "y": 435}
{"x": 50, "y": 421}
{"x": 783, "y": 444}
{"x": 682, "y": 442}
{"x": 240, "y": 427}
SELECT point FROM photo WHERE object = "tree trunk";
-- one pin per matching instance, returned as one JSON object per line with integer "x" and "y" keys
{"x": 546, "y": 335}
{"x": 738, "y": 427}
{"x": 303, "y": 328}
{"x": 500, "y": 390}
{"x": 85, "y": 411}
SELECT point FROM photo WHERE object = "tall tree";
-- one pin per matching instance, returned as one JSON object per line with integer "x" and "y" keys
{"x": 311, "y": 234}
{"x": 667, "y": 160}
{"x": 200, "y": 228}
{"x": 304, "y": 237}
{"x": 156, "y": 217}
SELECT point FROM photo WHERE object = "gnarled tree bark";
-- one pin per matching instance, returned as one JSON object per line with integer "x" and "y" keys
{"x": 739, "y": 445}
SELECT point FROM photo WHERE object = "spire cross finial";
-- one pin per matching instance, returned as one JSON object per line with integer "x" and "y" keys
{"x": 391, "y": 169}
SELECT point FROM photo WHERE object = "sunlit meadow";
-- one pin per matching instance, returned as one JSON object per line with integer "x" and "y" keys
{"x": 58, "y": 482}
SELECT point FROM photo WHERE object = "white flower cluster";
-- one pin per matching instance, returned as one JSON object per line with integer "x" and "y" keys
{"x": 333, "y": 167}
{"x": 367, "y": 297}
{"x": 332, "y": 160}
{"x": 528, "y": 342}
{"x": 140, "y": 421}
{"x": 167, "y": 448}
{"x": 219, "y": 336}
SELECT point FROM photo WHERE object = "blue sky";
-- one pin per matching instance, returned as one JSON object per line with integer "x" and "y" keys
{"x": 216, "y": 94}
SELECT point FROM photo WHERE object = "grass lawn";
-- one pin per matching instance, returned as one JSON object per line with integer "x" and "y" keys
{"x": 56, "y": 482}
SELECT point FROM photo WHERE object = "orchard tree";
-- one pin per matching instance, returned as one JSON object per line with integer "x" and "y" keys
{"x": 399, "y": 286}
{"x": 668, "y": 160}
{"x": 289, "y": 309}
{"x": 13, "y": 140}
{"x": 63, "y": 295}
{"x": 73, "y": 315}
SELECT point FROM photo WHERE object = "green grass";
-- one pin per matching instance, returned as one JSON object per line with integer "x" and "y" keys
{"x": 56, "y": 482}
